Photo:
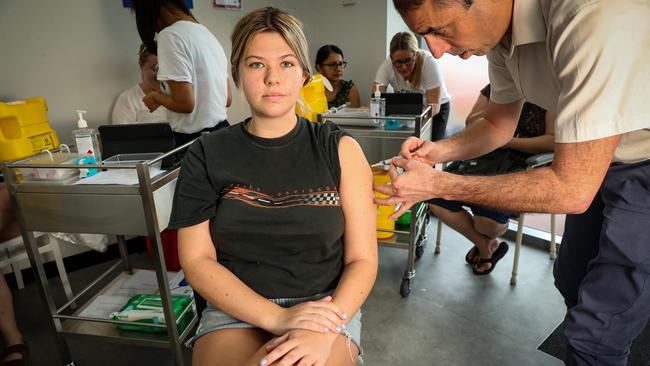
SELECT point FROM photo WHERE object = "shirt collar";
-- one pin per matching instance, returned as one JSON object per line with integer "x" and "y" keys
{"x": 528, "y": 24}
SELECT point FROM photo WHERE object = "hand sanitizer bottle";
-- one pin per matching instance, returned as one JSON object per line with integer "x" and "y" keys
{"x": 377, "y": 104}
{"x": 86, "y": 139}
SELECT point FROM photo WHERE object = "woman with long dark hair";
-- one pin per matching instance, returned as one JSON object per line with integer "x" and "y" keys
{"x": 191, "y": 64}
{"x": 330, "y": 63}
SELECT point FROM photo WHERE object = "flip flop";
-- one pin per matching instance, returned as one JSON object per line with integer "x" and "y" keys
{"x": 496, "y": 257}
{"x": 473, "y": 252}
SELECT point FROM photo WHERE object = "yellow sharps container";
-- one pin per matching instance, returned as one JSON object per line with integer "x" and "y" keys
{"x": 383, "y": 222}
{"x": 24, "y": 129}
{"x": 314, "y": 100}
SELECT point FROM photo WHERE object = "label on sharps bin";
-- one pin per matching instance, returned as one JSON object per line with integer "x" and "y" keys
{"x": 84, "y": 145}
{"x": 41, "y": 142}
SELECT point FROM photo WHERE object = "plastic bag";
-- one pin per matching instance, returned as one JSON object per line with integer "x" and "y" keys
{"x": 97, "y": 242}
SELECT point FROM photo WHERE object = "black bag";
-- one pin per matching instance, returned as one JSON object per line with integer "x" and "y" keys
{"x": 493, "y": 163}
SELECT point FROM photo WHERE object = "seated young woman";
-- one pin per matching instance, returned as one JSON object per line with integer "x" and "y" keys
{"x": 276, "y": 217}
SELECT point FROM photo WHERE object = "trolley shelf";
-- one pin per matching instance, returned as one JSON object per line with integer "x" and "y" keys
{"x": 103, "y": 330}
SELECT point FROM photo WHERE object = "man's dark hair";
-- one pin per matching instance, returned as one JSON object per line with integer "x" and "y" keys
{"x": 405, "y": 6}
{"x": 325, "y": 52}
{"x": 147, "y": 13}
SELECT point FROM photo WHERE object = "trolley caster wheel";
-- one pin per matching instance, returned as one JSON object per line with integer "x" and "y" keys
{"x": 405, "y": 288}
{"x": 419, "y": 251}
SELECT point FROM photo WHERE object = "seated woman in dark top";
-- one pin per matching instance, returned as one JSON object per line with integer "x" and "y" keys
{"x": 330, "y": 63}
{"x": 534, "y": 135}
{"x": 276, "y": 218}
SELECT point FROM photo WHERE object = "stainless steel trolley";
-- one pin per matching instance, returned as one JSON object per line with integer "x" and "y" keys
{"x": 379, "y": 143}
{"x": 140, "y": 209}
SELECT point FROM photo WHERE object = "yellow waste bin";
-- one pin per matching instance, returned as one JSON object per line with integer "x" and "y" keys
{"x": 381, "y": 177}
{"x": 24, "y": 129}
{"x": 313, "y": 99}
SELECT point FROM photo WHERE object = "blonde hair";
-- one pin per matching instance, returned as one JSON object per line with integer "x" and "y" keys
{"x": 268, "y": 19}
{"x": 405, "y": 41}
{"x": 143, "y": 54}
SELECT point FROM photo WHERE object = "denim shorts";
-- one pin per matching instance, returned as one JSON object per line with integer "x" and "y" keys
{"x": 455, "y": 206}
{"x": 213, "y": 319}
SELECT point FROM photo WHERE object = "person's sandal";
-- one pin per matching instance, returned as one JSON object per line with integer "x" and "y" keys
{"x": 20, "y": 348}
{"x": 473, "y": 252}
{"x": 496, "y": 257}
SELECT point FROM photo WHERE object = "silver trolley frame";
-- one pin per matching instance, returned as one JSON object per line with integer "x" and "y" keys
{"x": 378, "y": 143}
{"x": 142, "y": 209}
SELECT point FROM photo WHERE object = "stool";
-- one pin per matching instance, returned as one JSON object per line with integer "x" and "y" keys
{"x": 13, "y": 252}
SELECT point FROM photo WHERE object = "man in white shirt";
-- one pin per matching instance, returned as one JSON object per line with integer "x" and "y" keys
{"x": 585, "y": 61}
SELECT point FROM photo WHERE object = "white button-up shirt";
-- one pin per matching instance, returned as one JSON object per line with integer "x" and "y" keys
{"x": 587, "y": 61}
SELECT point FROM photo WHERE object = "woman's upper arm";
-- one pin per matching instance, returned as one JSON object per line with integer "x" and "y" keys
{"x": 433, "y": 96}
{"x": 195, "y": 242}
{"x": 355, "y": 189}
{"x": 355, "y": 101}
{"x": 182, "y": 94}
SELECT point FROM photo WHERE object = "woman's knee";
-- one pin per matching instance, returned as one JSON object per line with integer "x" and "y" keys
{"x": 489, "y": 227}
{"x": 228, "y": 347}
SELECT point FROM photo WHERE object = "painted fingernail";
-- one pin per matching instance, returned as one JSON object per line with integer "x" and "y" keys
{"x": 345, "y": 316}
{"x": 263, "y": 362}
{"x": 338, "y": 329}
{"x": 326, "y": 329}
{"x": 343, "y": 326}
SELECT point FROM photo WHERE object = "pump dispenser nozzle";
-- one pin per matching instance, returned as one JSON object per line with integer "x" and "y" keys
{"x": 81, "y": 123}
{"x": 377, "y": 91}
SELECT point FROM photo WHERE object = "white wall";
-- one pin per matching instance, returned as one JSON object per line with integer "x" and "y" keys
{"x": 78, "y": 54}
{"x": 359, "y": 30}
{"x": 394, "y": 24}
{"x": 464, "y": 80}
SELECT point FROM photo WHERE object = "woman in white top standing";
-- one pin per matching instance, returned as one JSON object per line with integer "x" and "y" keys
{"x": 408, "y": 68}
{"x": 192, "y": 65}
{"x": 129, "y": 107}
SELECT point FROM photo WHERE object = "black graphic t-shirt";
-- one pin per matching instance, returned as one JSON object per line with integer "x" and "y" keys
{"x": 275, "y": 211}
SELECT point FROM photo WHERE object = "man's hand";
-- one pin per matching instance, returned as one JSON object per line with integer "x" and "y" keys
{"x": 299, "y": 347}
{"x": 409, "y": 187}
{"x": 421, "y": 150}
{"x": 151, "y": 101}
{"x": 322, "y": 316}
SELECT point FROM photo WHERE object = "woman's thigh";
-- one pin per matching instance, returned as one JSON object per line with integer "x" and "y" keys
{"x": 228, "y": 347}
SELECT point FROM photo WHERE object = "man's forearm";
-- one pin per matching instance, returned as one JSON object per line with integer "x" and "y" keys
{"x": 567, "y": 186}
{"x": 179, "y": 106}
{"x": 537, "y": 190}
